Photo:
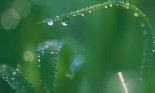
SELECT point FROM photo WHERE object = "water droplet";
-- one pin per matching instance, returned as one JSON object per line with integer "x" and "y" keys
{"x": 82, "y": 14}
{"x": 110, "y": 5}
{"x": 135, "y": 14}
{"x": 52, "y": 52}
{"x": 12, "y": 78}
{"x": 14, "y": 73}
{"x": 65, "y": 21}
{"x": 127, "y": 5}
{"x": 49, "y": 22}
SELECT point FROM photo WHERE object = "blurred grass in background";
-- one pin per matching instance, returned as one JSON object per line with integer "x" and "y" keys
{"x": 110, "y": 39}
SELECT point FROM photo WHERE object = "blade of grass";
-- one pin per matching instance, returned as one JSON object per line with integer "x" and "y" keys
{"x": 15, "y": 79}
{"x": 49, "y": 53}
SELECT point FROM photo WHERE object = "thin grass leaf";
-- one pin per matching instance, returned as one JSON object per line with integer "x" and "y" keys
{"x": 15, "y": 79}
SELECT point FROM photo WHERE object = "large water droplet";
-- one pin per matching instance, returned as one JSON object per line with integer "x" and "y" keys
{"x": 65, "y": 21}
{"x": 50, "y": 22}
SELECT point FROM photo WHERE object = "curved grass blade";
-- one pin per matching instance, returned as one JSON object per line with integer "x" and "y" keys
{"x": 15, "y": 79}
{"x": 49, "y": 53}
{"x": 148, "y": 49}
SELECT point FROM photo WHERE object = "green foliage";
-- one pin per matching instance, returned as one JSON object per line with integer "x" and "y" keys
{"x": 48, "y": 54}
{"x": 15, "y": 79}
{"x": 48, "y": 59}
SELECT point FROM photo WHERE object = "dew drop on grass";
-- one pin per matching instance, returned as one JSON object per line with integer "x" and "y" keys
{"x": 82, "y": 14}
{"x": 110, "y": 5}
{"x": 57, "y": 17}
{"x": 65, "y": 21}
{"x": 135, "y": 14}
{"x": 52, "y": 52}
{"x": 127, "y": 5}
{"x": 14, "y": 73}
{"x": 12, "y": 78}
{"x": 49, "y": 22}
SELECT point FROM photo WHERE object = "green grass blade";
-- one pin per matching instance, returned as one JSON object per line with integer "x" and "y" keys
{"x": 148, "y": 49}
{"x": 49, "y": 53}
{"x": 15, "y": 79}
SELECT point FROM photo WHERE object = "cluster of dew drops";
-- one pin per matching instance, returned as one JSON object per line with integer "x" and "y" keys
{"x": 53, "y": 47}
{"x": 83, "y": 11}
{"x": 50, "y": 22}
{"x": 65, "y": 18}
{"x": 10, "y": 75}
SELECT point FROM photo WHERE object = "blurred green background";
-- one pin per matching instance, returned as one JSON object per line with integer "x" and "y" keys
{"x": 111, "y": 40}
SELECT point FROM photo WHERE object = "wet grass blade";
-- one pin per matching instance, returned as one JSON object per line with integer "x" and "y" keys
{"x": 48, "y": 53}
{"x": 15, "y": 79}
{"x": 149, "y": 42}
